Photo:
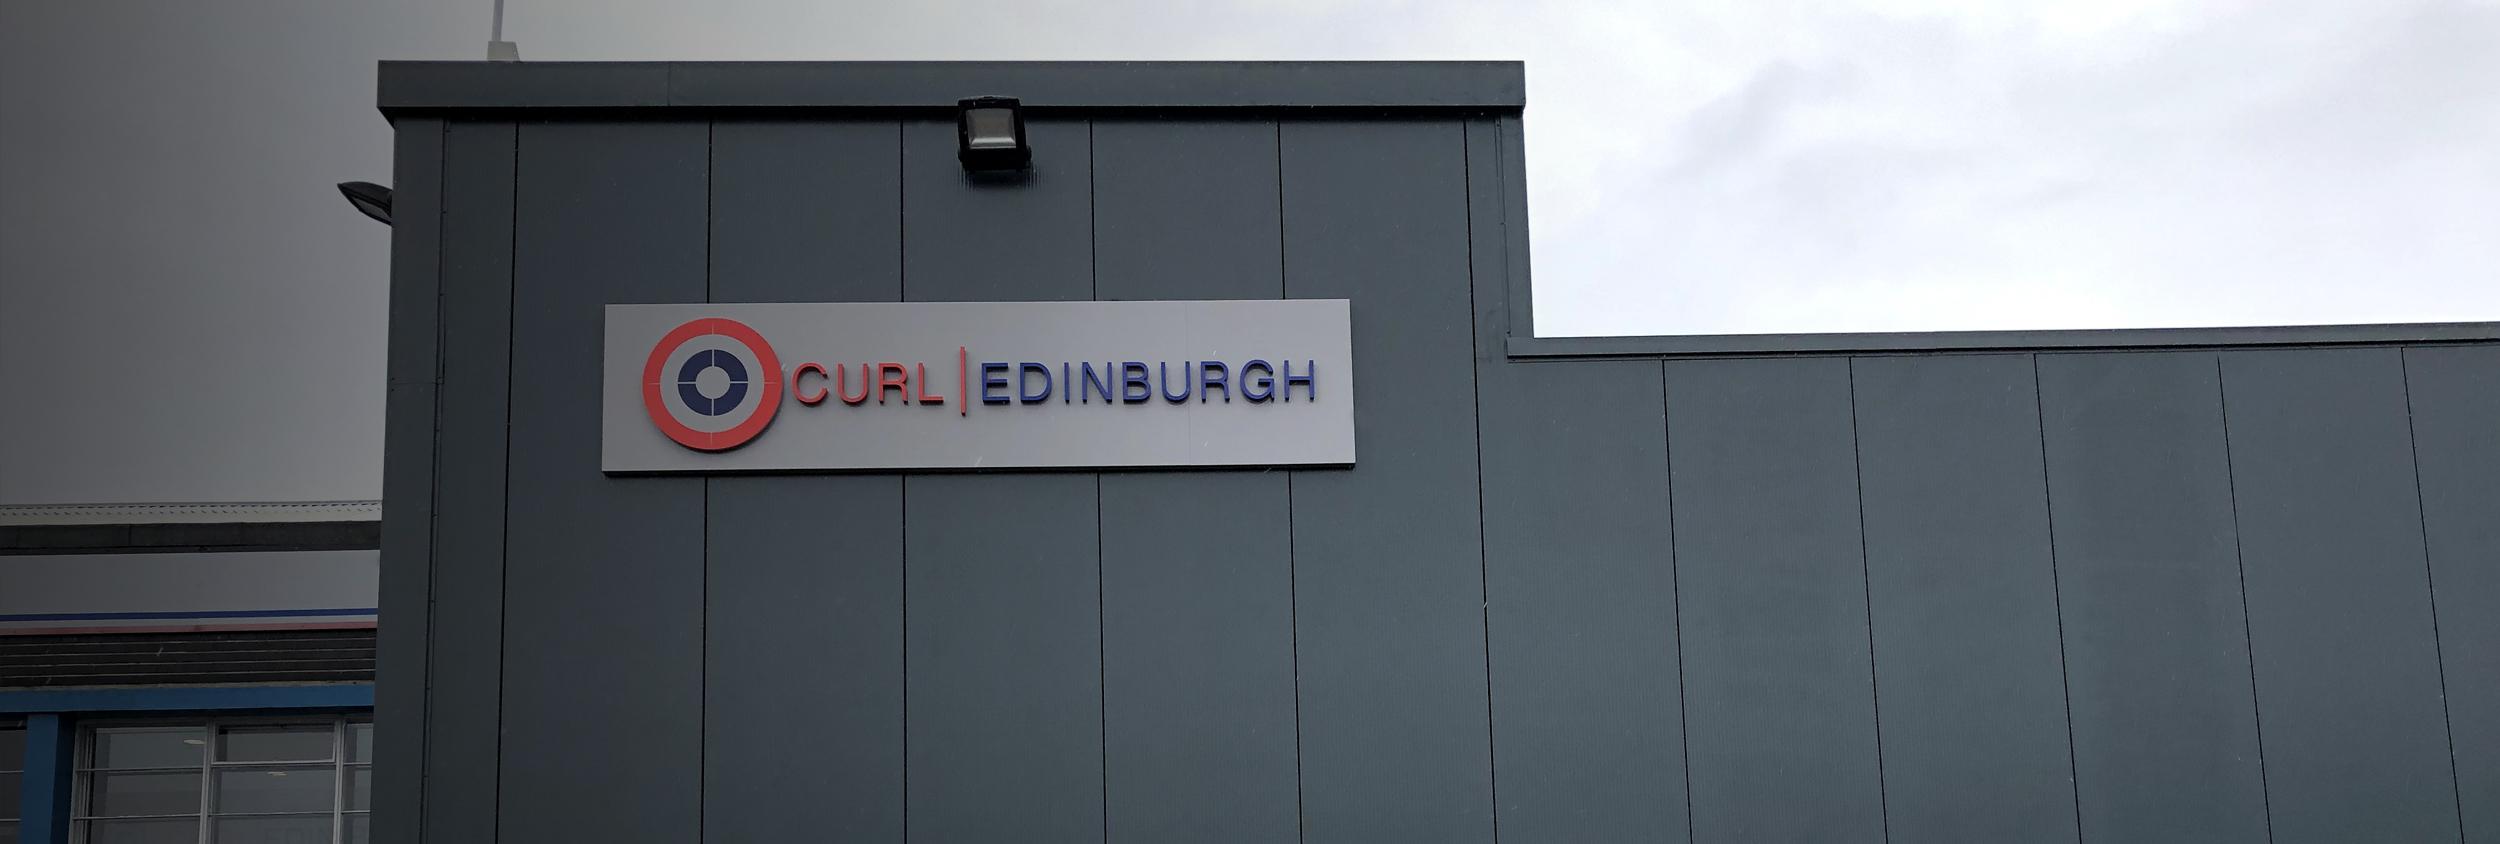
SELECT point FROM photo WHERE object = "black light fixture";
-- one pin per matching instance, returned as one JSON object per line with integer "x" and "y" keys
{"x": 373, "y": 199}
{"x": 989, "y": 134}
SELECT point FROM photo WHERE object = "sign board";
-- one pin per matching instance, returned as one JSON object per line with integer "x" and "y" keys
{"x": 977, "y": 385}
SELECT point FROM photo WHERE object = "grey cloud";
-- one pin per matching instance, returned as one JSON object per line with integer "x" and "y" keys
{"x": 206, "y": 317}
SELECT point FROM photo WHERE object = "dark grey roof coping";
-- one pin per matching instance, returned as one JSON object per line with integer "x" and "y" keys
{"x": 1471, "y": 85}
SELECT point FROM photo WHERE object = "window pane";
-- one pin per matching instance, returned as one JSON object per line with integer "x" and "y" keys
{"x": 122, "y": 795}
{"x": 290, "y": 743}
{"x": 296, "y": 789}
{"x": 180, "y": 831}
{"x": 360, "y": 742}
{"x": 12, "y": 749}
{"x": 359, "y": 788}
{"x": 149, "y": 747}
{"x": 301, "y": 829}
{"x": 359, "y": 830}
{"x": 9, "y": 784}
{"x": 8, "y": 832}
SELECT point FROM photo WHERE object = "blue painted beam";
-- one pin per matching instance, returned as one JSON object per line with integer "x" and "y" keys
{"x": 188, "y": 699}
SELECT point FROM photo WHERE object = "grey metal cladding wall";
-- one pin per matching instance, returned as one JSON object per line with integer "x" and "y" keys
{"x": 2454, "y": 394}
{"x": 603, "y": 651}
{"x": 465, "y": 686}
{"x": 1389, "y": 589}
{"x": 1002, "y": 572}
{"x": 408, "y": 476}
{"x": 1963, "y": 599}
{"x": 803, "y": 575}
{"x": 1802, "y": 598}
{"x": 1197, "y": 567}
{"x": 1004, "y": 655}
{"x": 1779, "y": 705}
{"x": 2339, "y": 606}
{"x": 1580, "y": 588}
{"x": 2156, "y": 648}
{"x": 1198, "y": 669}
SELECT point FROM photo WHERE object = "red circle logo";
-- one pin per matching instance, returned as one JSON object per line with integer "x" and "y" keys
{"x": 712, "y": 384}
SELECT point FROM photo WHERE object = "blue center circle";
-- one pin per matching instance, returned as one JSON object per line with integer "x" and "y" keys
{"x": 707, "y": 359}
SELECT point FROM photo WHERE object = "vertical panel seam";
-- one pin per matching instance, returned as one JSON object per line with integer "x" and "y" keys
{"x": 902, "y": 483}
{"x": 503, "y": 587}
{"x": 902, "y": 211}
{"x": 1293, "y": 563}
{"x": 1093, "y": 272}
{"x": 902, "y": 516}
{"x": 434, "y": 480}
{"x": 1293, "y": 615}
{"x": 2421, "y": 511}
{"x": 1502, "y": 218}
{"x": 1475, "y": 373}
{"x": 1866, "y": 586}
{"x": 503, "y": 568}
{"x": 703, "y": 592}
{"x": 2057, "y": 598}
{"x": 1279, "y": 125}
{"x": 1675, "y": 598}
{"x": 2256, "y": 707}
{"x": 1102, "y": 664}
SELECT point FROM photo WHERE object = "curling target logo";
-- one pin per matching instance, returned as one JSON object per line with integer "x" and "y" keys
{"x": 712, "y": 384}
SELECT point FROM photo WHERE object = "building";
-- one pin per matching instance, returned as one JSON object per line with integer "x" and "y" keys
{"x": 172, "y": 670}
{"x": 646, "y": 580}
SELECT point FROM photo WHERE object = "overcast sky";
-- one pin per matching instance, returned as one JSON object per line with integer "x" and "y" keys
{"x": 189, "y": 312}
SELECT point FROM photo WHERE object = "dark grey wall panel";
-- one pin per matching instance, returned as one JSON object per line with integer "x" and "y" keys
{"x": 803, "y": 693}
{"x": 1779, "y": 705}
{"x": 1186, "y": 210}
{"x": 1963, "y": 600}
{"x": 465, "y": 695}
{"x": 2339, "y": 609}
{"x": 1002, "y": 572}
{"x": 1197, "y": 597}
{"x": 806, "y": 211}
{"x": 2165, "y": 722}
{"x": 1580, "y": 583}
{"x": 1198, "y": 670}
{"x": 994, "y": 238}
{"x": 407, "y": 537}
{"x": 803, "y": 585}
{"x": 1005, "y": 671}
{"x": 603, "y": 624}
{"x": 1389, "y": 583}
{"x": 2455, "y": 397}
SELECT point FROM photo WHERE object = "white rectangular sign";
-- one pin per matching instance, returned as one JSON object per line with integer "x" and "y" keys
{"x": 977, "y": 385}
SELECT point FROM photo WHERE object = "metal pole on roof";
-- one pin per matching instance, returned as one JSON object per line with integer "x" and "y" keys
{"x": 497, "y": 49}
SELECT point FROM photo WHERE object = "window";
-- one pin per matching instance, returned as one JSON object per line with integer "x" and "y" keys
{"x": 227, "y": 781}
{"x": 12, "y": 778}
